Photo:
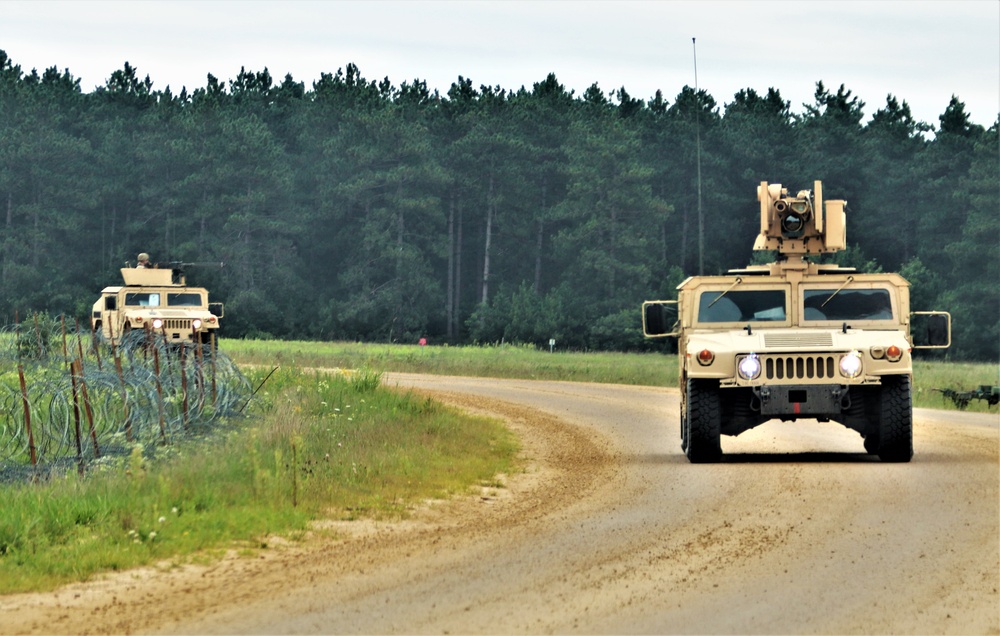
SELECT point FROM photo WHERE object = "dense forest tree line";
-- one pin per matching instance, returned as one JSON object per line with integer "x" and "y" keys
{"x": 359, "y": 209}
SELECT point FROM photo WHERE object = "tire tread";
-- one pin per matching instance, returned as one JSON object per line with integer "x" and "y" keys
{"x": 704, "y": 419}
{"x": 896, "y": 420}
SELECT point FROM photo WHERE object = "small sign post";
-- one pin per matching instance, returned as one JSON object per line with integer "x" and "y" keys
{"x": 552, "y": 343}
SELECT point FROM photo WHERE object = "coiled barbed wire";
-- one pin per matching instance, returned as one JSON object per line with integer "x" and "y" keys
{"x": 66, "y": 397}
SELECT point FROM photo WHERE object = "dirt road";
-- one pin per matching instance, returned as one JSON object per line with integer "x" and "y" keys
{"x": 612, "y": 531}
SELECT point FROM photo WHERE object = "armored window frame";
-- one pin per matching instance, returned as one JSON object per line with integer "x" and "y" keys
{"x": 142, "y": 299}
{"x": 854, "y": 303}
{"x": 769, "y": 306}
{"x": 185, "y": 299}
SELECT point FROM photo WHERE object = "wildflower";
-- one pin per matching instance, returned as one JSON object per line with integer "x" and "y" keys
{"x": 162, "y": 519}
{"x": 152, "y": 535}
{"x": 174, "y": 510}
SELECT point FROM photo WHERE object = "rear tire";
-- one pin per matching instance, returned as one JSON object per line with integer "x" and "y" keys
{"x": 703, "y": 422}
{"x": 685, "y": 427}
{"x": 684, "y": 433}
{"x": 895, "y": 439}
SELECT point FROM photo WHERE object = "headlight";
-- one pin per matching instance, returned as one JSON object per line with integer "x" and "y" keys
{"x": 749, "y": 367}
{"x": 196, "y": 323}
{"x": 157, "y": 323}
{"x": 850, "y": 364}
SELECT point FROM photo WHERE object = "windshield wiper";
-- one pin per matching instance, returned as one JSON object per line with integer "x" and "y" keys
{"x": 735, "y": 283}
{"x": 850, "y": 279}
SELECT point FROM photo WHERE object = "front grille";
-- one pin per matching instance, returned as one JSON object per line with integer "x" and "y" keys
{"x": 799, "y": 367}
{"x": 174, "y": 324}
{"x": 804, "y": 339}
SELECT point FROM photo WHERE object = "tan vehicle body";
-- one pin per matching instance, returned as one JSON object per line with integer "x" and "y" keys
{"x": 795, "y": 332}
{"x": 157, "y": 300}
{"x": 794, "y": 339}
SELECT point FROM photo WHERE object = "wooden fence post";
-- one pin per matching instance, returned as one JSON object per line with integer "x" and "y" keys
{"x": 27, "y": 417}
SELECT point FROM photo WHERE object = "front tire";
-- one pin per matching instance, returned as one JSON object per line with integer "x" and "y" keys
{"x": 703, "y": 422}
{"x": 895, "y": 442}
{"x": 872, "y": 440}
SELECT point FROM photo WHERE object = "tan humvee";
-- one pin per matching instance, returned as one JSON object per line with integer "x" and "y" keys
{"x": 795, "y": 339}
{"x": 157, "y": 300}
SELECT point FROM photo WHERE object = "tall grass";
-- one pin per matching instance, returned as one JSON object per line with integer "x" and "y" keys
{"x": 325, "y": 446}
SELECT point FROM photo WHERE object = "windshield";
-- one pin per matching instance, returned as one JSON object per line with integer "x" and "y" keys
{"x": 184, "y": 300}
{"x": 847, "y": 304}
{"x": 143, "y": 299}
{"x": 756, "y": 305}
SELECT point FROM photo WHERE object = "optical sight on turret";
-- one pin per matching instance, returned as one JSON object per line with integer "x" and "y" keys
{"x": 801, "y": 224}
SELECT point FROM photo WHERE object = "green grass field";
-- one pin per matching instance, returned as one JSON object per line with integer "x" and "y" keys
{"x": 503, "y": 361}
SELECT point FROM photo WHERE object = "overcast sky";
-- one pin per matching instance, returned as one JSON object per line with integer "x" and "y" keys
{"x": 920, "y": 52}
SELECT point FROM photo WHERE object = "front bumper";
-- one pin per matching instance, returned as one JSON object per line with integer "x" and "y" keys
{"x": 813, "y": 400}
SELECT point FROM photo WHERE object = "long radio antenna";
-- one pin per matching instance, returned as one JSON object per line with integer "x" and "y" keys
{"x": 697, "y": 128}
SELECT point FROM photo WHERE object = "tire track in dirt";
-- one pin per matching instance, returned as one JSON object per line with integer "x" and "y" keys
{"x": 562, "y": 466}
{"x": 611, "y": 530}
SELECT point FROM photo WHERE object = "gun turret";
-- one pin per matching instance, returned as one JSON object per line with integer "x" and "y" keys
{"x": 801, "y": 224}
{"x": 177, "y": 268}
{"x": 181, "y": 265}
{"x": 163, "y": 273}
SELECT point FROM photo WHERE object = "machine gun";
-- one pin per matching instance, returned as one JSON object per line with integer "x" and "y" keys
{"x": 178, "y": 268}
{"x": 990, "y": 394}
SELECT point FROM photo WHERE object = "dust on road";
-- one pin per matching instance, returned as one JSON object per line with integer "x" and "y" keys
{"x": 611, "y": 530}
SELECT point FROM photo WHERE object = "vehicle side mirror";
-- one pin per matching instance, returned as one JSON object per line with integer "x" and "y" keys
{"x": 931, "y": 329}
{"x": 659, "y": 317}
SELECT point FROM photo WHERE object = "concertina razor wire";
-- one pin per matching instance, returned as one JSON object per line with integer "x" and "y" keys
{"x": 66, "y": 398}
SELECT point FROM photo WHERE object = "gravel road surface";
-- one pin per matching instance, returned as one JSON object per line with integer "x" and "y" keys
{"x": 611, "y": 530}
